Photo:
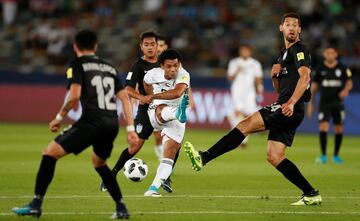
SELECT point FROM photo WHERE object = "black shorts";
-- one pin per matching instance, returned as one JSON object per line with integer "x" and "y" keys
{"x": 143, "y": 126}
{"x": 99, "y": 133}
{"x": 335, "y": 111}
{"x": 282, "y": 128}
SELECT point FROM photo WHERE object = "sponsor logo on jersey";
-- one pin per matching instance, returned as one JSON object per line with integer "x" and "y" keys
{"x": 69, "y": 73}
{"x": 300, "y": 56}
{"x": 338, "y": 72}
{"x": 129, "y": 75}
{"x": 331, "y": 83}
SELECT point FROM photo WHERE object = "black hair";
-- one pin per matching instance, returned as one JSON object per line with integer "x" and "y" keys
{"x": 169, "y": 54}
{"x": 161, "y": 37}
{"x": 291, "y": 15}
{"x": 86, "y": 40}
{"x": 148, "y": 34}
{"x": 332, "y": 46}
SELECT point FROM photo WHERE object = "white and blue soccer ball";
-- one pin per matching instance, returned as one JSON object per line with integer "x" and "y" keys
{"x": 135, "y": 170}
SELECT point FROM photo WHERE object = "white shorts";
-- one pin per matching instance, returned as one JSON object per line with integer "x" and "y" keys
{"x": 173, "y": 129}
{"x": 245, "y": 103}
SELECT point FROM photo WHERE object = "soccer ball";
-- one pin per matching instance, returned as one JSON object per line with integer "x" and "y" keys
{"x": 135, "y": 170}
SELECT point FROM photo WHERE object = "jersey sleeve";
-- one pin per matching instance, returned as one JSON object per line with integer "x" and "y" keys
{"x": 183, "y": 77}
{"x": 301, "y": 56}
{"x": 231, "y": 68}
{"x": 348, "y": 73}
{"x": 148, "y": 77}
{"x": 316, "y": 76}
{"x": 258, "y": 70}
{"x": 118, "y": 83}
{"x": 74, "y": 74}
{"x": 132, "y": 76}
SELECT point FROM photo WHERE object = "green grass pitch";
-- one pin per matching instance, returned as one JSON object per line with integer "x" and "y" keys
{"x": 240, "y": 185}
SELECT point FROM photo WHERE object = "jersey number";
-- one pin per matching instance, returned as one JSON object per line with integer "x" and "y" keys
{"x": 105, "y": 101}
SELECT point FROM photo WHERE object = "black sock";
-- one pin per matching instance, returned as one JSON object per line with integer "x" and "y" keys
{"x": 125, "y": 156}
{"x": 229, "y": 142}
{"x": 43, "y": 178}
{"x": 323, "y": 142}
{"x": 293, "y": 174}
{"x": 110, "y": 182}
{"x": 338, "y": 140}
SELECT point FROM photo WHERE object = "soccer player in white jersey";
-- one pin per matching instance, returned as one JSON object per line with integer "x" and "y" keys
{"x": 245, "y": 75}
{"x": 167, "y": 86}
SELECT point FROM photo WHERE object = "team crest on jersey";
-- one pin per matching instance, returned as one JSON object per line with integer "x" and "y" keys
{"x": 300, "y": 56}
{"x": 323, "y": 73}
{"x": 338, "y": 72}
{"x": 139, "y": 128}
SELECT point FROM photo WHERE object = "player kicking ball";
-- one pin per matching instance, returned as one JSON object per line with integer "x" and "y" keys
{"x": 167, "y": 86}
{"x": 291, "y": 78}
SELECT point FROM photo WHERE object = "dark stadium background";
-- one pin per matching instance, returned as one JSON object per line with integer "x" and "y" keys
{"x": 36, "y": 36}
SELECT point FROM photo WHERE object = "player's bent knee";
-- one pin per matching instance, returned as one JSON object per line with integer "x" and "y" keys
{"x": 97, "y": 161}
{"x": 274, "y": 159}
{"x": 54, "y": 150}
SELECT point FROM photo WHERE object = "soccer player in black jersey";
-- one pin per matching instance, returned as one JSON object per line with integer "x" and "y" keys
{"x": 291, "y": 80}
{"x": 94, "y": 82}
{"x": 334, "y": 82}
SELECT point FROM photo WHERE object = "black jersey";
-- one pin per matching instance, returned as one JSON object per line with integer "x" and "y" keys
{"x": 99, "y": 85}
{"x": 291, "y": 60}
{"x": 137, "y": 73}
{"x": 331, "y": 81}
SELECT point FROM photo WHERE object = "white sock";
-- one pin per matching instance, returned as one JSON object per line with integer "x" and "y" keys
{"x": 168, "y": 113}
{"x": 245, "y": 140}
{"x": 163, "y": 172}
{"x": 159, "y": 149}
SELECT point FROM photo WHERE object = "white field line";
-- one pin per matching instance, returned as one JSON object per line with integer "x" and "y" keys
{"x": 105, "y": 195}
{"x": 203, "y": 213}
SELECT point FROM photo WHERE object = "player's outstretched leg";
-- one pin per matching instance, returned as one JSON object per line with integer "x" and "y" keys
{"x": 310, "y": 199}
{"x": 181, "y": 110}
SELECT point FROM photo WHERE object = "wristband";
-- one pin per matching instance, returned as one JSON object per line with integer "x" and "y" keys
{"x": 59, "y": 117}
{"x": 130, "y": 128}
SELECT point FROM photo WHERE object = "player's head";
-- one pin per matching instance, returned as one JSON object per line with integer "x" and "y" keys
{"x": 85, "y": 40}
{"x": 148, "y": 44}
{"x": 162, "y": 45}
{"x": 170, "y": 61}
{"x": 330, "y": 53}
{"x": 245, "y": 51}
{"x": 291, "y": 26}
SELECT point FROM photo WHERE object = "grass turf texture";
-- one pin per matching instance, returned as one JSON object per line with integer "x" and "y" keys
{"x": 240, "y": 185}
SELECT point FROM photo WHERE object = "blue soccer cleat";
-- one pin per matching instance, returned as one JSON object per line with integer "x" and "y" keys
{"x": 181, "y": 110}
{"x": 152, "y": 192}
{"x": 322, "y": 159}
{"x": 27, "y": 210}
{"x": 337, "y": 160}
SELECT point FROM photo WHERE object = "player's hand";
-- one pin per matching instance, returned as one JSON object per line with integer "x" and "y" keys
{"x": 54, "y": 125}
{"x": 288, "y": 108}
{"x": 309, "y": 110}
{"x": 275, "y": 71}
{"x": 132, "y": 138}
{"x": 146, "y": 99}
{"x": 343, "y": 93}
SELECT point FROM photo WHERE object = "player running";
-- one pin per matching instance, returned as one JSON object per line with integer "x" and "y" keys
{"x": 291, "y": 79}
{"x": 167, "y": 86}
{"x": 94, "y": 82}
{"x": 334, "y": 81}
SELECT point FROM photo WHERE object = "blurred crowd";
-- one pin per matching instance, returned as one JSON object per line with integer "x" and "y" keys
{"x": 36, "y": 35}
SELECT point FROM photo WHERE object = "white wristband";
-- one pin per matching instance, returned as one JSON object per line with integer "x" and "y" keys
{"x": 130, "y": 128}
{"x": 59, "y": 117}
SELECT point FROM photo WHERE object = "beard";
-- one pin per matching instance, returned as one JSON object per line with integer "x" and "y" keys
{"x": 291, "y": 38}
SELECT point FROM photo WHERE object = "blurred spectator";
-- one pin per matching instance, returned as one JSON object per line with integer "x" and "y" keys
{"x": 9, "y": 10}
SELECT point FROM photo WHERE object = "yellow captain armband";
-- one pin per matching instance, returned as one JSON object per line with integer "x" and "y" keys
{"x": 69, "y": 73}
{"x": 348, "y": 72}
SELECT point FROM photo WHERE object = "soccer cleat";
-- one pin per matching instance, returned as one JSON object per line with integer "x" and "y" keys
{"x": 121, "y": 212}
{"x": 181, "y": 110}
{"x": 322, "y": 159}
{"x": 166, "y": 185}
{"x": 337, "y": 160}
{"x": 193, "y": 155}
{"x": 313, "y": 198}
{"x": 103, "y": 187}
{"x": 153, "y": 192}
{"x": 27, "y": 210}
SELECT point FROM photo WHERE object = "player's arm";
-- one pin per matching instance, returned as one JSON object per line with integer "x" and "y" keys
{"x": 127, "y": 108}
{"x": 136, "y": 95}
{"x": 177, "y": 92}
{"x": 310, "y": 107}
{"x": 191, "y": 99}
{"x": 301, "y": 85}
{"x": 348, "y": 86}
{"x": 275, "y": 71}
{"x": 71, "y": 101}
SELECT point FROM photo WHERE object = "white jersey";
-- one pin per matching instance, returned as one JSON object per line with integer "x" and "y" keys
{"x": 156, "y": 78}
{"x": 243, "y": 91}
